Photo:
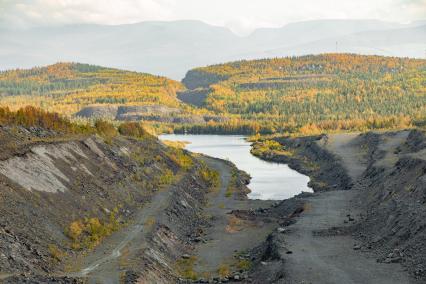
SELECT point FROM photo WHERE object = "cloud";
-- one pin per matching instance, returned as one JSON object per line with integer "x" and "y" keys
{"x": 47, "y": 12}
{"x": 239, "y": 15}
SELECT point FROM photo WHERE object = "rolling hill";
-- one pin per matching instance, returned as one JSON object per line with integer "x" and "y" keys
{"x": 92, "y": 92}
{"x": 315, "y": 93}
{"x": 68, "y": 87}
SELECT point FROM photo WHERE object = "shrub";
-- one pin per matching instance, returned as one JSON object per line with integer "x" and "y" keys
{"x": 185, "y": 267}
{"x": 105, "y": 129}
{"x": 55, "y": 252}
{"x": 244, "y": 264}
{"x": 224, "y": 270}
{"x": 132, "y": 129}
{"x": 167, "y": 177}
{"x": 210, "y": 177}
{"x": 180, "y": 158}
{"x": 75, "y": 229}
{"x": 88, "y": 233}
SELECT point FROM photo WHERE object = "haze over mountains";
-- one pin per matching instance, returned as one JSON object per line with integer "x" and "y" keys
{"x": 172, "y": 48}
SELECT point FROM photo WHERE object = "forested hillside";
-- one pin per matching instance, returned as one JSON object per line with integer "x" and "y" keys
{"x": 308, "y": 94}
{"x": 316, "y": 93}
{"x": 68, "y": 87}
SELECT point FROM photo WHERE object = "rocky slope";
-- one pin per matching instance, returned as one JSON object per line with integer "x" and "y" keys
{"x": 394, "y": 198}
{"x": 51, "y": 182}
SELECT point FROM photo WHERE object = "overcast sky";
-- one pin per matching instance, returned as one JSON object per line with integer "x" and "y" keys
{"x": 241, "y": 16}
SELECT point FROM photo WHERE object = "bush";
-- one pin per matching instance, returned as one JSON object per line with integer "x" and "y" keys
{"x": 185, "y": 267}
{"x": 224, "y": 270}
{"x": 244, "y": 264}
{"x": 180, "y": 158}
{"x": 75, "y": 229}
{"x": 132, "y": 129}
{"x": 105, "y": 129}
{"x": 210, "y": 177}
{"x": 55, "y": 252}
{"x": 88, "y": 233}
{"x": 167, "y": 177}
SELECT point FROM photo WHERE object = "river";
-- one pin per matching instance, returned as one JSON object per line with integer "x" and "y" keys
{"x": 270, "y": 181}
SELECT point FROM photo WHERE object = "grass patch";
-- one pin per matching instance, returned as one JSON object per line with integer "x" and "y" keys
{"x": 176, "y": 144}
{"x": 180, "y": 158}
{"x": 270, "y": 148}
{"x": 185, "y": 268}
{"x": 55, "y": 252}
{"x": 150, "y": 221}
{"x": 236, "y": 224}
{"x": 210, "y": 177}
{"x": 167, "y": 177}
{"x": 232, "y": 185}
{"x": 244, "y": 264}
{"x": 307, "y": 207}
{"x": 224, "y": 270}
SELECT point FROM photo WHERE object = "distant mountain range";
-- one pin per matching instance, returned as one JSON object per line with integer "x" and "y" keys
{"x": 172, "y": 48}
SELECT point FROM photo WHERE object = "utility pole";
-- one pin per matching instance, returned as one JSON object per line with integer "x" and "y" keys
{"x": 337, "y": 44}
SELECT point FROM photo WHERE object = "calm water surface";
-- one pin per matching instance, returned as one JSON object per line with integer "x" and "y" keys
{"x": 269, "y": 180}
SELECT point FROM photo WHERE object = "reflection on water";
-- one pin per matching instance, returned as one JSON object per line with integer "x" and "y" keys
{"x": 269, "y": 180}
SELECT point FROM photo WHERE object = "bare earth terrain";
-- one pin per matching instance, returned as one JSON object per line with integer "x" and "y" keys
{"x": 364, "y": 223}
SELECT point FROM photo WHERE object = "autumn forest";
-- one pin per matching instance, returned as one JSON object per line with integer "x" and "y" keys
{"x": 304, "y": 95}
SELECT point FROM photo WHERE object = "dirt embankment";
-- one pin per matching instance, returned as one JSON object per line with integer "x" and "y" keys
{"x": 373, "y": 231}
{"x": 61, "y": 196}
{"x": 394, "y": 197}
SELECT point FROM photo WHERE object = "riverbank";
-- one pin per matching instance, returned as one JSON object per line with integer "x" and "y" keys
{"x": 269, "y": 181}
